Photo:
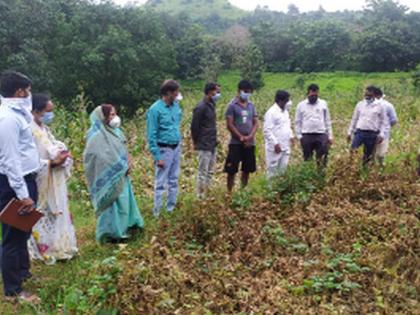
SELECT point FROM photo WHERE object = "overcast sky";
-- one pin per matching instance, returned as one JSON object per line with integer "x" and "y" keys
{"x": 304, "y": 5}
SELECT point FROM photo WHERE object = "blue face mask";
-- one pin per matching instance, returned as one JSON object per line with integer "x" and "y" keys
{"x": 216, "y": 97}
{"x": 245, "y": 96}
{"x": 47, "y": 118}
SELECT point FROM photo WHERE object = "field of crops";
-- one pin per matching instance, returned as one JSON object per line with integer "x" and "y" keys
{"x": 346, "y": 243}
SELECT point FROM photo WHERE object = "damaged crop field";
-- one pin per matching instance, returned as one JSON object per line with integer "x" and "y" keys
{"x": 340, "y": 241}
{"x": 351, "y": 249}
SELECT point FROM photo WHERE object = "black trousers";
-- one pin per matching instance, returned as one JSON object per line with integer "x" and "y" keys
{"x": 15, "y": 262}
{"x": 318, "y": 143}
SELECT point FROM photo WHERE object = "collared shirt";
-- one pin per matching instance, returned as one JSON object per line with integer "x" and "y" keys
{"x": 391, "y": 115}
{"x": 313, "y": 118}
{"x": 18, "y": 153}
{"x": 243, "y": 119}
{"x": 369, "y": 116}
{"x": 163, "y": 126}
{"x": 203, "y": 126}
{"x": 277, "y": 128}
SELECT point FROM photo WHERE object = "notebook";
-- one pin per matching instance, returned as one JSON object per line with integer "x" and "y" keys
{"x": 14, "y": 215}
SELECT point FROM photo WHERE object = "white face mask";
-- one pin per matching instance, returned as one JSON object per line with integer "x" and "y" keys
{"x": 179, "y": 98}
{"x": 21, "y": 104}
{"x": 289, "y": 105}
{"x": 115, "y": 122}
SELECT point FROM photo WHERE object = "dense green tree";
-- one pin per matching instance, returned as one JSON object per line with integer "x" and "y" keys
{"x": 252, "y": 66}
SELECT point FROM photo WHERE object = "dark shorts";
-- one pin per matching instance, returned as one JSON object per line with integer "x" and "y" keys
{"x": 240, "y": 154}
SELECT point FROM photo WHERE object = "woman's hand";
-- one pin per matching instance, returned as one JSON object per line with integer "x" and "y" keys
{"x": 60, "y": 159}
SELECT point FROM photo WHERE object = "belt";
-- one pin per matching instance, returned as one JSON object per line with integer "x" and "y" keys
{"x": 313, "y": 134}
{"x": 31, "y": 176}
{"x": 166, "y": 145}
{"x": 367, "y": 131}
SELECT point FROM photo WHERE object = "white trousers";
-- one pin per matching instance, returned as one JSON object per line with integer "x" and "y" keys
{"x": 382, "y": 149}
{"x": 276, "y": 162}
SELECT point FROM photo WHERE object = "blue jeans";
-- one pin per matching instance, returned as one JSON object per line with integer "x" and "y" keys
{"x": 368, "y": 139}
{"x": 166, "y": 178}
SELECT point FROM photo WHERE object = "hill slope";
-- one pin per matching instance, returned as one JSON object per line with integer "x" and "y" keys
{"x": 198, "y": 9}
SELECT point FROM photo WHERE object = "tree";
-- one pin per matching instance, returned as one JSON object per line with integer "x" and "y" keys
{"x": 252, "y": 66}
{"x": 320, "y": 46}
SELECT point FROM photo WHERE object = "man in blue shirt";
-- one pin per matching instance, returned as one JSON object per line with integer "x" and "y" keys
{"x": 164, "y": 138}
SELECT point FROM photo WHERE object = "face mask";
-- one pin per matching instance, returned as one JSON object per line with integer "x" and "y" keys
{"x": 27, "y": 103}
{"x": 179, "y": 98}
{"x": 24, "y": 105}
{"x": 47, "y": 118}
{"x": 245, "y": 96}
{"x": 369, "y": 99}
{"x": 313, "y": 99}
{"x": 288, "y": 105}
{"x": 115, "y": 122}
{"x": 216, "y": 97}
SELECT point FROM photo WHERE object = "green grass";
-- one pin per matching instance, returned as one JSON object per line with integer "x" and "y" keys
{"x": 81, "y": 286}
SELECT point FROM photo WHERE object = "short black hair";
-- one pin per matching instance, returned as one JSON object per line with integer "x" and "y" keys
{"x": 313, "y": 88}
{"x": 12, "y": 81}
{"x": 372, "y": 89}
{"x": 281, "y": 95}
{"x": 169, "y": 86}
{"x": 40, "y": 102}
{"x": 245, "y": 85}
{"x": 211, "y": 86}
{"x": 378, "y": 92}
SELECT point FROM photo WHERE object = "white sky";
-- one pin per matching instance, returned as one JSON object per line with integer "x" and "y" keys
{"x": 303, "y": 5}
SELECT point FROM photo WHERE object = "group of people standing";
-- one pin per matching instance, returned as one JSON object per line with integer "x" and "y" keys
{"x": 35, "y": 166}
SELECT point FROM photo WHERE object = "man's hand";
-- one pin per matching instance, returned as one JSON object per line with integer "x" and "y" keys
{"x": 160, "y": 163}
{"x": 277, "y": 149}
{"x": 330, "y": 141}
{"x": 379, "y": 140}
{"x": 349, "y": 138}
{"x": 292, "y": 141}
{"x": 28, "y": 204}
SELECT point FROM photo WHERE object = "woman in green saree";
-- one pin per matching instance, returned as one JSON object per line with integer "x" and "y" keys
{"x": 107, "y": 165}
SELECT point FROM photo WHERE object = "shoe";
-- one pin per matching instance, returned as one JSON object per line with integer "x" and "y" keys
{"x": 23, "y": 296}
{"x": 28, "y": 297}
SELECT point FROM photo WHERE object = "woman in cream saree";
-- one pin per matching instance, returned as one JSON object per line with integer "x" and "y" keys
{"x": 53, "y": 237}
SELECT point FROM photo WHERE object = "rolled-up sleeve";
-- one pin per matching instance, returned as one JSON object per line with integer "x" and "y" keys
{"x": 10, "y": 157}
{"x": 152, "y": 133}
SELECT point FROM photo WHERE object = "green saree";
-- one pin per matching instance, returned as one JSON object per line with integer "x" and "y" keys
{"x": 106, "y": 166}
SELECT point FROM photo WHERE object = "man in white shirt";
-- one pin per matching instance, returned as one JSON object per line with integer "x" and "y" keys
{"x": 391, "y": 120}
{"x": 19, "y": 162}
{"x": 278, "y": 135}
{"x": 314, "y": 127}
{"x": 368, "y": 126}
